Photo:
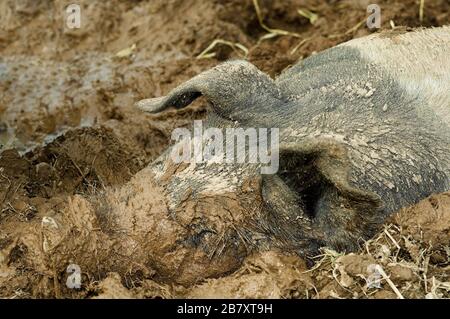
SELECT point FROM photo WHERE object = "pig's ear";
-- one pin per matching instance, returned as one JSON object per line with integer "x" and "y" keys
{"x": 316, "y": 175}
{"x": 236, "y": 89}
{"x": 207, "y": 84}
{"x": 178, "y": 99}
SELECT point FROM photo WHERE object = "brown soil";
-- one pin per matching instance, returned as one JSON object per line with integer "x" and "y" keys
{"x": 69, "y": 132}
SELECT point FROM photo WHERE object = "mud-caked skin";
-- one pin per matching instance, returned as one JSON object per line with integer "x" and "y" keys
{"x": 364, "y": 131}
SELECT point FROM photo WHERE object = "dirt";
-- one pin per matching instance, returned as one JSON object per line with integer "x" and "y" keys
{"x": 69, "y": 133}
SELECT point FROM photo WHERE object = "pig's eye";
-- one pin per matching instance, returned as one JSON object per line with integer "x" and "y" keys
{"x": 184, "y": 99}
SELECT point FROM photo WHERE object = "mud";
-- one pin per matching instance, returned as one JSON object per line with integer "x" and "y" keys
{"x": 72, "y": 145}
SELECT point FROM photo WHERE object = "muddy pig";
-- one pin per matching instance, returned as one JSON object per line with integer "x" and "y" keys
{"x": 364, "y": 129}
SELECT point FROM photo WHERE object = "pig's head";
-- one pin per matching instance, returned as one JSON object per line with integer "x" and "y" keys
{"x": 229, "y": 209}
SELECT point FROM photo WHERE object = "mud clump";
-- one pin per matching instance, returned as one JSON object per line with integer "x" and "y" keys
{"x": 81, "y": 158}
{"x": 74, "y": 188}
{"x": 77, "y": 161}
{"x": 269, "y": 275}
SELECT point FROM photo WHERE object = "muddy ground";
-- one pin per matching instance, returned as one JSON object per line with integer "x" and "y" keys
{"x": 68, "y": 131}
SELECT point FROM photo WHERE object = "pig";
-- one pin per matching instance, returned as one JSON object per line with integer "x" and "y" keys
{"x": 364, "y": 130}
